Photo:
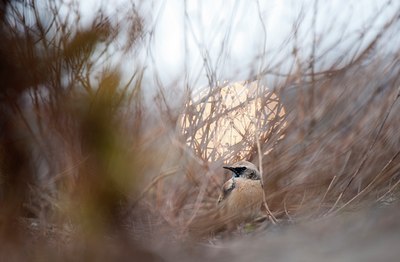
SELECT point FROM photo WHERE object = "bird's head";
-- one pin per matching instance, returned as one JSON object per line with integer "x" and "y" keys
{"x": 244, "y": 169}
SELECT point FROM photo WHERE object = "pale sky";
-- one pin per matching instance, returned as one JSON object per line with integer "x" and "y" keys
{"x": 235, "y": 38}
{"x": 231, "y": 34}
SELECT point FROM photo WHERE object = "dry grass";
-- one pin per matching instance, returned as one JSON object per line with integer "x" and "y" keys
{"x": 89, "y": 171}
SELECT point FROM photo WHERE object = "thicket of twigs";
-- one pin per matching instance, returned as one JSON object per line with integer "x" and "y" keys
{"x": 89, "y": 170}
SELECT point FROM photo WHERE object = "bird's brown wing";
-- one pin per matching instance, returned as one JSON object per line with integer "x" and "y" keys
{"x": 226, "y": 190}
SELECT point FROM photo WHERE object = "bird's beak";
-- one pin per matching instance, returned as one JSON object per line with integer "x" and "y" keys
{"x": 231, "y": 169}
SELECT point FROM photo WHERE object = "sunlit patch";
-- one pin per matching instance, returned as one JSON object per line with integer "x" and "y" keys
{"x": 225, "y": 121}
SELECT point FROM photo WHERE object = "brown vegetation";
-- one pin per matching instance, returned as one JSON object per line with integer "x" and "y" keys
{"x": 90, "y": 171}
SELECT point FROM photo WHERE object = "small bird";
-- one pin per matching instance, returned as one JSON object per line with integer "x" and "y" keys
{"x": 240, "y": 201}
{"x": 242, "y": 195}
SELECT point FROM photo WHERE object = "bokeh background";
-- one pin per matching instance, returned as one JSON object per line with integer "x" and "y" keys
{"x": 116, "y": 119}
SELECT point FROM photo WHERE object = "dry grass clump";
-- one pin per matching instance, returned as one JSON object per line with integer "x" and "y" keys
{"x": 89, "y": 170}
